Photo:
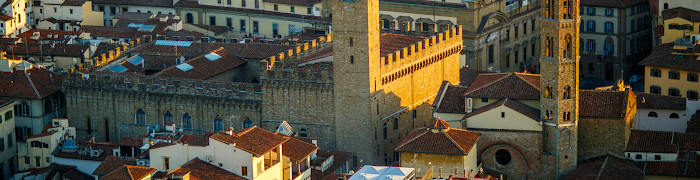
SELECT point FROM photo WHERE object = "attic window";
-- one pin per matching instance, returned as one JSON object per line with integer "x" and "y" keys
{"x": 503, "y": 114}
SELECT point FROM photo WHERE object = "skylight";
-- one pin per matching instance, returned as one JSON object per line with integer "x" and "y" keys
{"x": 184, "y": 67}
{"x": 173, "y": 43}
{"x": 118, "y": 68}
{"x": 212, "y": 56}
{"x": 136, "y": 60}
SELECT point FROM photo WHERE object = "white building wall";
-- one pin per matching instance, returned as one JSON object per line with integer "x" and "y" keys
{"x": 646, "y": 156}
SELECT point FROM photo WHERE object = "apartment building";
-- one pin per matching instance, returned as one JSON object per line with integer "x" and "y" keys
{"x": 8, "y": 147}
{"x": 613, "y": 34}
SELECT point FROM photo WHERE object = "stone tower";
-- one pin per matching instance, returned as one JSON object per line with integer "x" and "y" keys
{"x": 560, "y": 81}
{"x": 356, "y": 62}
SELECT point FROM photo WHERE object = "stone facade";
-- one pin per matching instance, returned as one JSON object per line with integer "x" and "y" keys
{"x": 560, "y": 82}
{"x": 107, "y": 106}
{"x": 525, "y": 149}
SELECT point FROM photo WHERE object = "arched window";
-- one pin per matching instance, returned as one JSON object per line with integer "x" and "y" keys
{"x": 187, "y": 121}
{"x": 167, "y": 118}
{"x": 396, "y": 123}
{"x": 189, "y": 18}
{"x": 568, "y": 51}
{"x": 674, "y": 116}
{"x": 548, "y": 92}
{"x": 503, "y": 157}
{"x": 247, "y": 123}
{"x": 140, "y": 116}
{"x": 665, "y": 6}
{"x": 218, "y": 124}
{"x": 384, "y": 132}
{"x": 653, "y": 114}
{"x": 89, "y": 125}
{"x": 303, "y": 133}
{"x": 546, "y": 47}
{"x": 567, "y": 92}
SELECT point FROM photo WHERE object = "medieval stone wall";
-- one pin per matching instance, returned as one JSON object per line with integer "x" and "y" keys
{"x": 106, "y": 106}
{"x": 525, "y": 148}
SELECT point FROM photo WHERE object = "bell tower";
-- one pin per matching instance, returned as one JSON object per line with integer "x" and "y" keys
{"x": 356, "y": 62}
{"x": 560, "y": 81}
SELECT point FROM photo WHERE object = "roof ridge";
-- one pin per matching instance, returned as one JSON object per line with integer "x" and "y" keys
{"x": 32, "y": 83}
{"x": 453, "y": 141}
{"x": 526, "y": 81}
{"x": 414, "y": 138}
{"x": 488, "y": 84}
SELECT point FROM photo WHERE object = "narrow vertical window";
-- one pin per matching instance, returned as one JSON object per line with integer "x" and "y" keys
{"x": 351, "y": 43}
{"x": 352, "y": 59}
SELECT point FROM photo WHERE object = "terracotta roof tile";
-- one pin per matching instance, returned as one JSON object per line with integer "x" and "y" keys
{"x": 661, "y": 57}
{"x": 657, "y": 101}
{"x": 662, "y": 142}
{"x": 160, "y": 145}
{"x": 670, "y": 168}
{"x": 58, "y": 49}
{"x": 450, "y": 98}
{"x": 694, "y": 123}
{"x": 198, "y": 169}
{"x": 194, "y": 140}
{"x": 681, "y": 12}
{"x": 129, "y": 172}
{"x": 468, "y": 75}
{"x": 390, "y": 43}
{"x": 34, "y": 83}
{"x": 297, "y": 149}
{"x": 204, "y": 68}
{"x": 111, "y": 163}
{"x": 606, "y": 166}
{"x": 5, "y": 17}
{"x": 505, "y": 85}
{"x": 254, "y": 140}
{"x": 155, "y": 3}
{"x": 597, "y": 103}
{"x": 450, "y": 141}
{"x": 131, "y": 141}
{"x": 294, "y": 2}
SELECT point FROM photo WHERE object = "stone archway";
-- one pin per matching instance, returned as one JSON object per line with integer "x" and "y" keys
{"x": 505, "y": 158}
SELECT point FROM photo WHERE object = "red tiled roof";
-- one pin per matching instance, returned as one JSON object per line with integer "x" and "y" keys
{"x": 198, "y": 169}
{"x": 439, "y": 124}
{"x": 505, "y": 85}
{"x": 662, "y": 142}
{"x": 657, "y": 101}
{"x": 681, "y": 12}
{"x": 34, "y": 83}
{"x": 150, "y": 3}
{"x": 73, "y": 2}
{"x": 390, "y": 43}
{"x": 339, "y": 159}
{"x": 612, "y": 3}
{"x": 160, "y": 145}
{"x": 606, "y": 166}
{"x": 205, "y": 68}
{"x": 670, "y": 168}
{"x": 254, "y": 140}
{"x": 661, "y": 57}
{"x": 597, "y": 103}
{"x": 450, "y": 141}
{"x": 131, "y": 141}
{"x": 194, "y": 140}
{"x": 297, "y": 149}
{"x": 468, "y": 75}
{"x": 58, "y": 49}
{"x": 524, "y": 109}
{"x": 111, "y": 163}
{"x": 5, "y": 17}
{"x": 694, "y": 123}
{"x": 294, "y": 2}
{"x": 44, "y": 34}
{"x": 450, "y": 98}
{"x": 129, "y": 172}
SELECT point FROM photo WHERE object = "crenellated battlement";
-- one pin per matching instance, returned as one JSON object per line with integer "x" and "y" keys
{"x": 105, "y": 58}
{"x": 420, "y": 55}
{"x": 295, "y": 56}
{"x": 163, "y": 85}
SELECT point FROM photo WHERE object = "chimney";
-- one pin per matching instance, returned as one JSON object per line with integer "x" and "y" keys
{"x": 229, "y": 131}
